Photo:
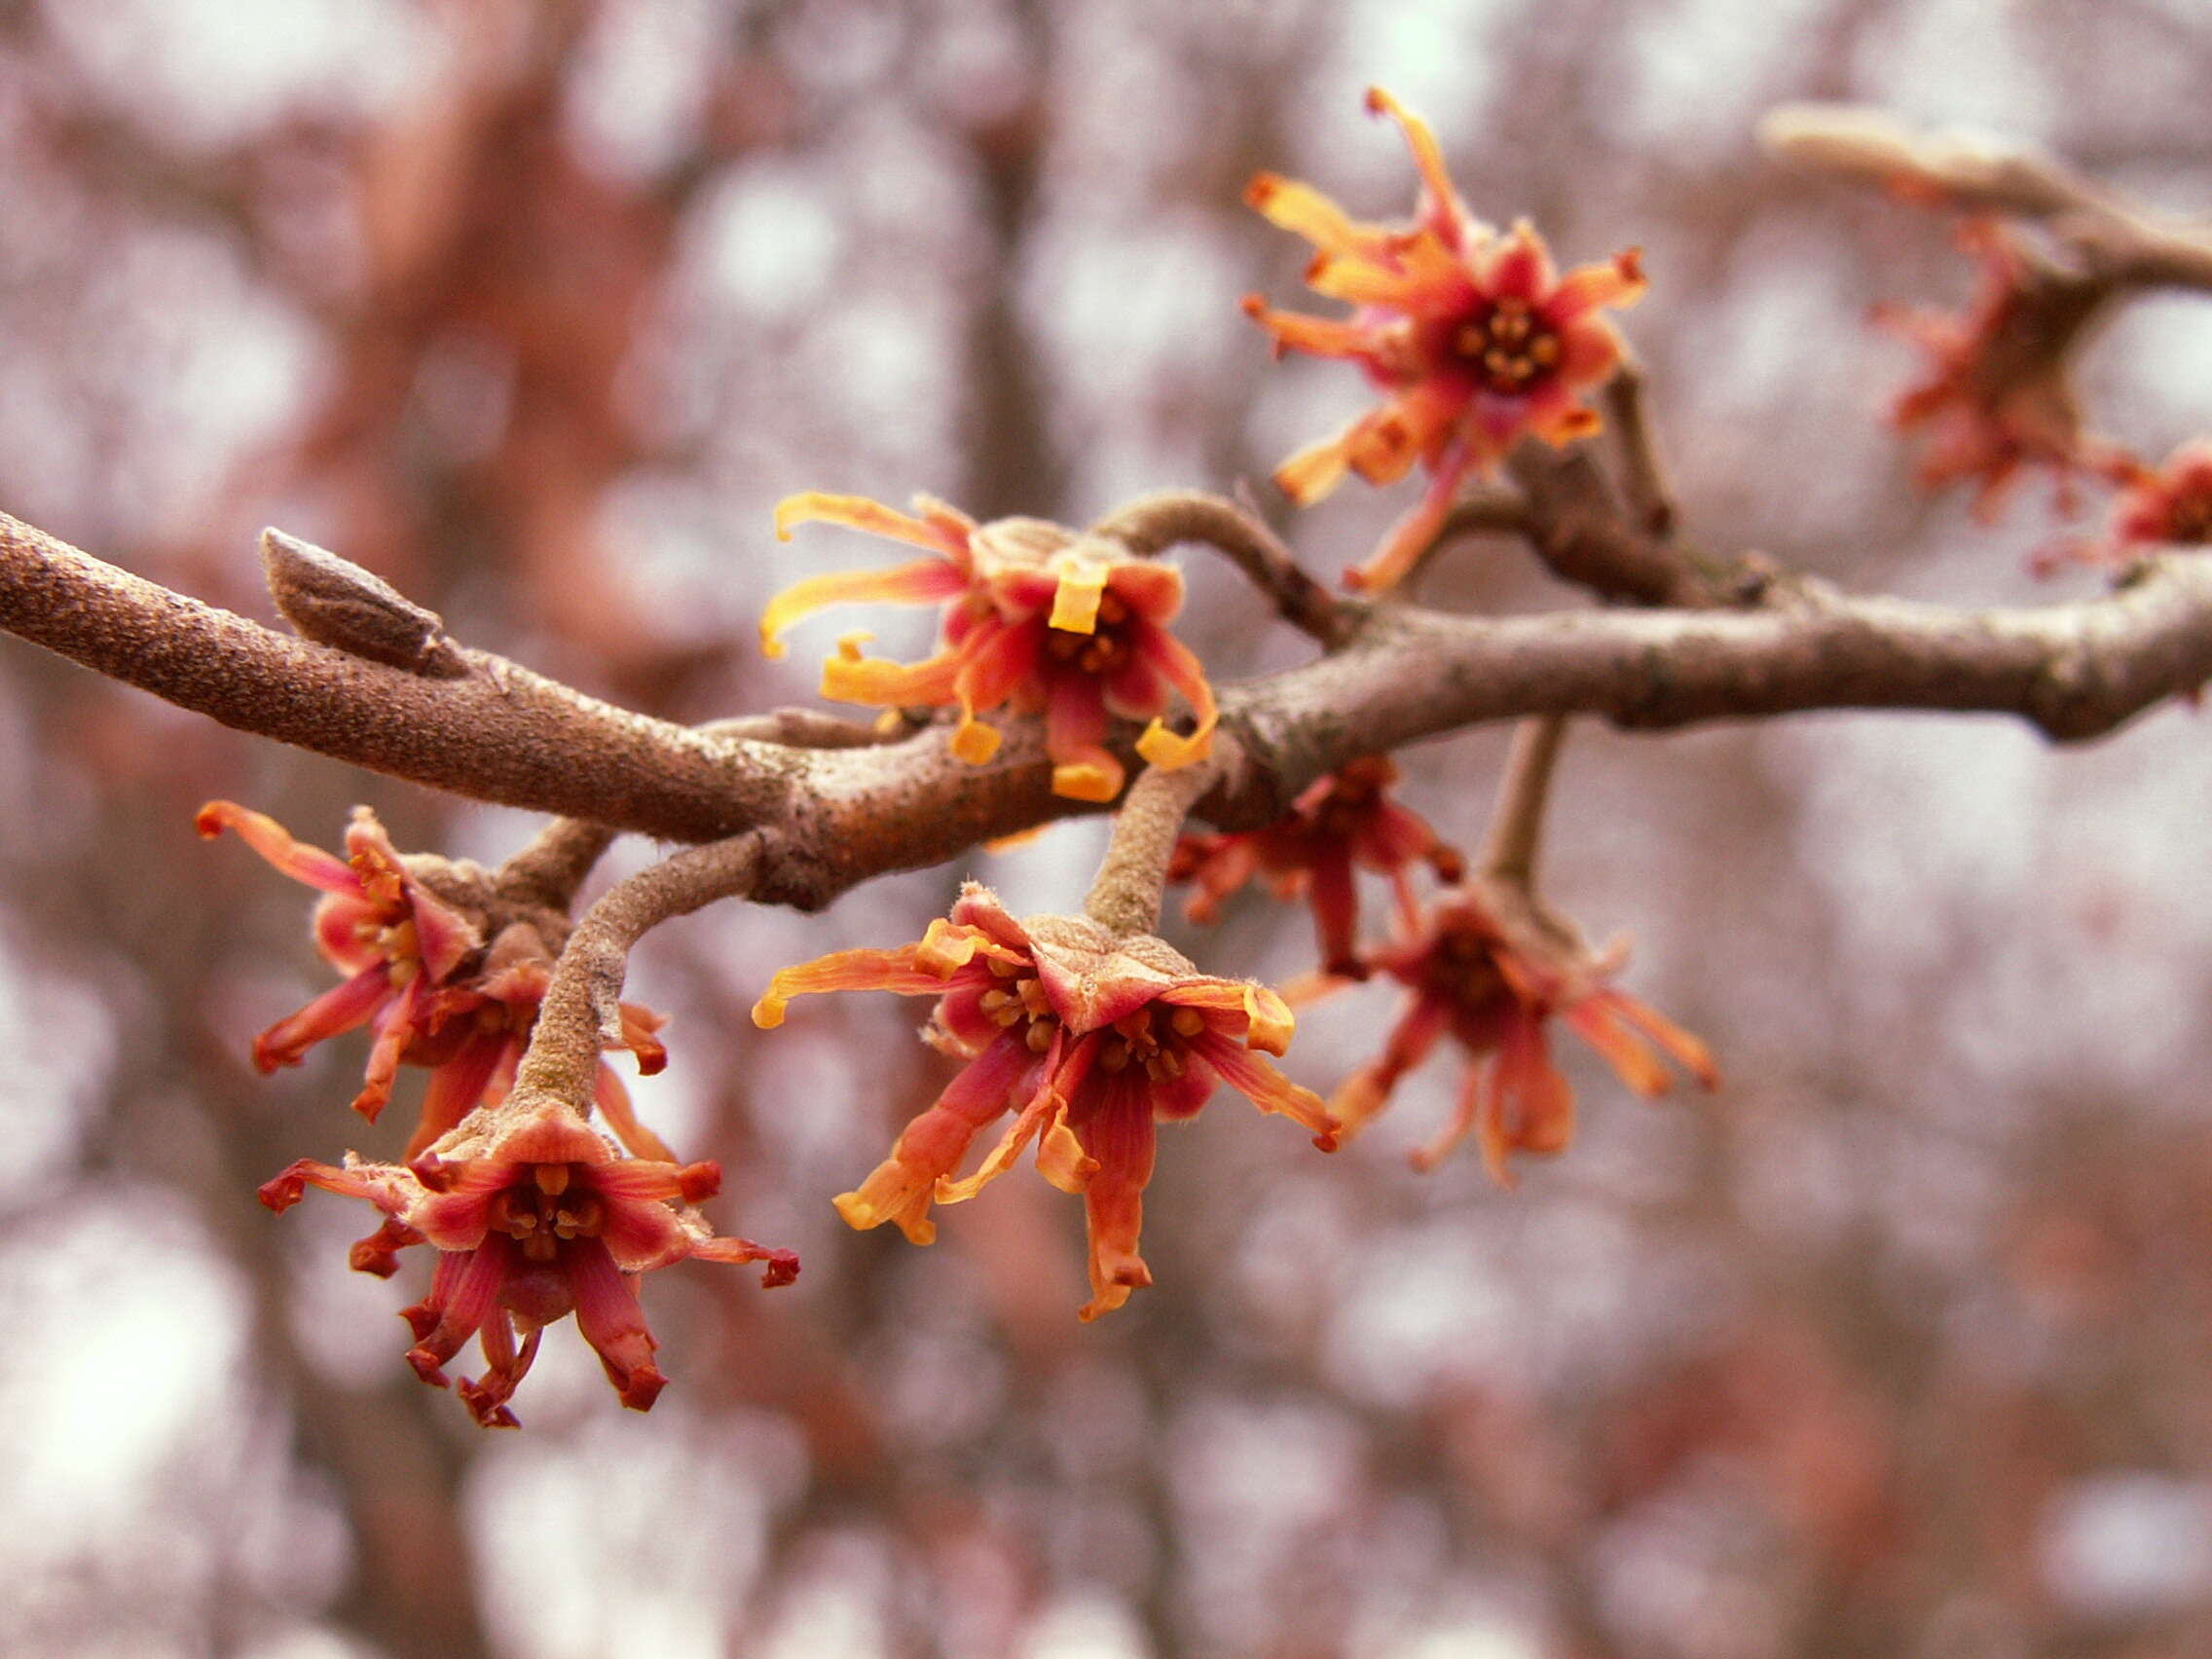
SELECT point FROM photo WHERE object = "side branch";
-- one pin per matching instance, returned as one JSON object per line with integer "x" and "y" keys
{"x": 494, "y": 732}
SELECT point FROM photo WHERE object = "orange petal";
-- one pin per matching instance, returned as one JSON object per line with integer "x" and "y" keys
{"x": 942, "y": 529}
{"x": 847, "y": 971}
{"x": 1082, "y": 583}
{"x": 925, "y": 581}
{"x": 1360, "y": 280}
{"x": 1620, "y": 1048}
{"x": 1266, "y": 1019}
{"x": 273, "y": 842}
{"x": 1688, "y": 1050}
{"x": 1119, "y": 1135}
{"x": 1319, "y": 337}
{"x": 1158, "y": 746}
{"x": 877, "y": 682}
{"x": 1412, "y": 535}
{"x": 1312, "y": 472}
{"x": 1429, "y": 157}
{"x": 1619, "y": 282}
{"x": 1258, "y": 1081}
{"x": 1304, "y": 212}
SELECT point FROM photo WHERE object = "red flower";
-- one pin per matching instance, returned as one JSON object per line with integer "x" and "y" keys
{"x": 1343, "y": 820}
{"x": 533, "y": 1217}
{"x": 1474, "y": 338}
{"x": 1037, "y": 617}
{"x": 419, "y": 972}
{"x": 1996, "y": 396}
{"x": 2170, "y": 506}
{"x": 1491, "y": 967}
{"x": 1089, "y": 1040}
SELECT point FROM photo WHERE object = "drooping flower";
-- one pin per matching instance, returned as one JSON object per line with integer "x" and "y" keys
{"x": 1996, "y": 397}
{"x": 534, "y": 1216}
{"x": 1343, "y": 821}
{"x": 1087, "y": 1039}
{"x": 1038, "y": 617}
{"x": 1474, "y": 338}
{"x": 421, "y": 975}
{"x": 1491, "y": 966}
{"x": 2167, "y": 506}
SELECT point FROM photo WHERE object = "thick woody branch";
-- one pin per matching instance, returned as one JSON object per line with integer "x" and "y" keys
{"x": 2128, "y": 243}
{"x": 496, "y": 732}
{"x": 836, "y": 817}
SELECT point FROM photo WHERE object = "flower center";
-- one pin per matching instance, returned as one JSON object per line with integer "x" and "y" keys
{"x": 2189, "y": 521}
{"x": 1510, "y": 349}
{"x": 1020, "y": 998}
{"x": 1463, "y": 966}
{"x": 547, "y": 1208}
{"x": 1100, "y": 651}
{"x": 1153, "y": 1037}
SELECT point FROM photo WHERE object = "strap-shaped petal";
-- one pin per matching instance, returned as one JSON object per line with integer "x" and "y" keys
{"x": 1445, "y": 213}
{"x": 1305, "y": 212}
{"x": 925, "y": 581}
{"x": 1259, "y": 1082}
{"x": 877, "y": 682}
{"x": 273, "y": 842}
{"x": 941, "y": 529}
{"x": 1158, "y": 746}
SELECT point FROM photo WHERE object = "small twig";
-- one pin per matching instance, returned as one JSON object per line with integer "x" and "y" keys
{"x": 1644, "y": 469}
{"x": 581, "y": 1011}
{"x": 1517, "y": 826}
{"x": 2128, "y": 243}
{"x": 805, "y": 728}
{"x": 549, "y": 870}
{"x": 1124, "y": 896}
{"x": 1580, "y": 528}
{"x": 1156, "y": 523}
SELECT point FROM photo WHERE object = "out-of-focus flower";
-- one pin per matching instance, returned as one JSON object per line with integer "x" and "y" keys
{"x": 1491, "y": 966}
{"x": 1342, "y": 820}
{"x": 533, "y": 1217}
{"x": 2167, "y": 506}
{"x": 1474, "y": 337}
{"x": 1996, "y": 397}
{"x": 418, "y": 971}
{"x": 1038, "y": 616}
{"x": 1089, "y": 1039}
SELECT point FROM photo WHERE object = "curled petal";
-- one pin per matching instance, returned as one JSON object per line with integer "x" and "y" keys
{"x": 851, "y": 677}
{"x": 941, "y": 529}
{"x": 1268, "y": 1089}
{"x": 925, "y": 581}
{"x": 1059, "y": 1155}
{"x": 900, "y": 1187}
{"x": 782, "y": 1264}
{"x": 281, "y": 1192}
{"x": 614, "y": 1323}
{"x": 341, "y": 1008}
{"x": 1181, "y": 667}
{"x": 1257, "y": 1017}
{"x": 1120, "y": 1138}
{"x": 273, "y": 842}
{"x": 1079, "y": 585}
{"x": 1076, "y": 723}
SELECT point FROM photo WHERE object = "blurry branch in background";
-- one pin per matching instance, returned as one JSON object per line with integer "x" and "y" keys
{"x": 2120, "y": 242}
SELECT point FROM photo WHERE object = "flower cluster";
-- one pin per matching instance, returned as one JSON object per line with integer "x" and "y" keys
{"x": 1474, "y": 337}
{"x": 1037, "y": 617}
{"x": 532, "y": 1213}
{"x": 1491, "y": 966}
{"x": 1343, "y": 821}
{"x": 1996, "y": 397}
{"x": 534, "y": 1216}
{"x": 1086, "y": 1039}
{"x": 2165, "y": 506}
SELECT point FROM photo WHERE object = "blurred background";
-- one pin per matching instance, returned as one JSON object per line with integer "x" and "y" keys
{"x": 1898, "y": 1345}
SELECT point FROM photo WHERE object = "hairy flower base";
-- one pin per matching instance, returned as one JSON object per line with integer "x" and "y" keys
{"x": 534, "y": 1216}
{"x": 1038, "y": 617}
{"x": 1491, "y": 967}
{"x": 1088, "y": 1040}
{"x": 1474, "y": 338}
{"x": 421, "y": 975}
{"x": 1343, "y": 821}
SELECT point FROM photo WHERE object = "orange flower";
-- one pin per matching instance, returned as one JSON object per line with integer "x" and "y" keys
{"x": 1996, "y": 396}
{"x": 1038, "y": 616}
{"x": 1087, "y": 1039}
{"x": 1343, "y": 821}
{"x": 533, "y": 1217}
{"x": 1490, "y": 967}
{"x": 1474, "y": 338}
{"x": 418, "y": 972}
{"x": 2169, "y": 506}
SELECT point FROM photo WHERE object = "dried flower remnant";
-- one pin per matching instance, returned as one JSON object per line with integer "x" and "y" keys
{"x": 533, "y": 1217}
{"x": 2166, "y": 507}
{"x": 1474, "y": 338}
{"x": 1996, "y": 397}
{"x": 419, "y": 972}
{"x": 1491, "y": 966}
{"x": 1038, "y": 617}
{"x": 1342, "y": 822}
{"x": 1089, "y": 1040}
